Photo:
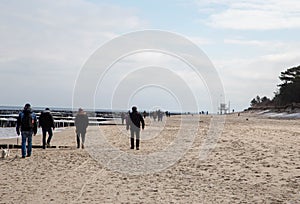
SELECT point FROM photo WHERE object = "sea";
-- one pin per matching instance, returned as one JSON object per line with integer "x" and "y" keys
{"x": 10, "y": 132}
{"x": 60, "y": 114}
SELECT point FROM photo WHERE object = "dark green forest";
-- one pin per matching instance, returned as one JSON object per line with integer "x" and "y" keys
{"x": 288, "y": 91}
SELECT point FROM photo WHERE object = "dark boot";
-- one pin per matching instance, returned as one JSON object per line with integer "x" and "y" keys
{"x": 78, "y": 141}
{"x": 131, "y": 143}
{"x": 137, "y": 144}
{"x": 44, "y": 141}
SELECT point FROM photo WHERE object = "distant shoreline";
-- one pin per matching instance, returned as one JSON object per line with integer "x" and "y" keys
{"x": 274, "y": 114}
{"x": 89, "y": 110}
{"x": 289, "y": 108}
{"x": 41, "y": 108}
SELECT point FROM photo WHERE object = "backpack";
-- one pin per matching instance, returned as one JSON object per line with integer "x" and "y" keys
{"x": 27, "y": 122}
{"x": 135, "y": 119}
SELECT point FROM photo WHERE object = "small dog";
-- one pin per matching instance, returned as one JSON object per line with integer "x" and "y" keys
{"x": 4, "y": 153}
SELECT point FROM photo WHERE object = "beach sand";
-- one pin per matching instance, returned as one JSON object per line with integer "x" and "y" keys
{"x": 255, "y": 160}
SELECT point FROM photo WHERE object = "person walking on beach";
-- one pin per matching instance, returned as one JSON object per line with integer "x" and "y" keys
{"x": 159, "y": 115}
{"x": 134, "y": 122}
{"x": 144, "y": 114}
{"x": 27, "y": 122}
{"x": 46, "y": 121}
{"x": 154, "y": 115}
{"x": 81, "y": 123}
{"x": 123, "y": 117}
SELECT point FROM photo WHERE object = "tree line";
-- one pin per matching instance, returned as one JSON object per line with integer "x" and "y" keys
{"x": 288, "y": 92}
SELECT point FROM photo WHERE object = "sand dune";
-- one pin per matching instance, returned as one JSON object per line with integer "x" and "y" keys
{"x": 254, "y": 161}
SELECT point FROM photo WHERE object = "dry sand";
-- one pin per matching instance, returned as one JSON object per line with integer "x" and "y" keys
{"x": 254, "y": 161}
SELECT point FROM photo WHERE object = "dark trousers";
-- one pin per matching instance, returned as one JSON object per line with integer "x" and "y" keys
{"x": 50, "y": 133}
{"x": 136, "y": 132}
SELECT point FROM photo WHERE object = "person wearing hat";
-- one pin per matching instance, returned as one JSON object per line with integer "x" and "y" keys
{"x": 81, "y": 123}
{"x": 46, "y": 121}
{"x": 27, "y": 123}
{"x": 134, "y": 122}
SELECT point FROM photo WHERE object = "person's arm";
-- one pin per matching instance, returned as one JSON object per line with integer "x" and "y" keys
{"x": 128, "y": 120}
{"x": 34, "y": 124}
{"x": 41, "y": 120}
{"x": 87, "y": 121}
{"x": 18, "y": 124}
{"x": 142, "y": 121}
{"x": 52, "y": 122}
{"x": 76, "y": 120}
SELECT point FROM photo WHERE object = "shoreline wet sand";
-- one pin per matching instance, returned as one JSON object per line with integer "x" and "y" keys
{"x": 254, "y": 161}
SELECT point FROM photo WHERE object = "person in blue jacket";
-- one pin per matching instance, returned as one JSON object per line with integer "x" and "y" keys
{"x": 27, "y": 125}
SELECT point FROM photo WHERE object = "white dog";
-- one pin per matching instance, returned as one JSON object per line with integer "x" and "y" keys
{"x": 4, "y": 153}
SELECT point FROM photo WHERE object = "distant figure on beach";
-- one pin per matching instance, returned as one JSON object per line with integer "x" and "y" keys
{"x": 159, "y": 115}
{"x": 154, "y": 115}
{"x": 144, "y": 114}
{"x": 127, "y": 117}
{"x": 81, "y": 123}
{"x": 134, "y": 122}
{"x": 123, "y": 117}
{"x": 28, "y": 124}
{"x": 46, "y": 121}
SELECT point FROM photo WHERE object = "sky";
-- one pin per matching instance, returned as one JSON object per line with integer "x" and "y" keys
{"x": 45, "y": 45}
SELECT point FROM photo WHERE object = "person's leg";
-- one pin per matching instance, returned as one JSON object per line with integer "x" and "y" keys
{"x": 29, "y": 148}
{"x": 131, "y": 139}
{"x": 83, "y": 139}
{"x": 137, "y": 133}
{"x": 24, "y": 137}
{"x": 50, "y": 136}
{"x": 78, "y": 139}
{"x": 44, "y": 138}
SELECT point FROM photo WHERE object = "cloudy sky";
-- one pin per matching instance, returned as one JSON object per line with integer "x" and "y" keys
{"x": 45, "y": 44}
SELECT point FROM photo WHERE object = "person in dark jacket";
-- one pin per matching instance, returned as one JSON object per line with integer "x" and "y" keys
{"x": 81, "y": 123}
{"x": 46, "y": 121}
{"x": 28, "y": 124}
{"x": 134, "y": 122}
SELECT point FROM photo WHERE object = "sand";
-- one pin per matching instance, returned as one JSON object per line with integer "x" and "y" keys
{"x": 255, "y": 160}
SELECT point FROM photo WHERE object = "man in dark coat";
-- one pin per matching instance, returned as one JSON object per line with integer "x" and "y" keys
{"x": 28, "y": 124}
{"x": 134, "y": 121}
{"x": 81, "y": 123}
{"x": 46, "y": 121}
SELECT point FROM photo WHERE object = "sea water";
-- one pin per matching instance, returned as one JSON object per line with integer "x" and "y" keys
{"x": 10, "y": 132}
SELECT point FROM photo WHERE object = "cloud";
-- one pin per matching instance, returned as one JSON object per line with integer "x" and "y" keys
{"x": 47, "y": 42}
{"x": 256, "y": 43}
{"x": 252, "y": 14}
{"x": 244, "y": 78}
{"x": 59, "y": 30}
{"x": 201, "y": 41}
{"x": 277, "y": 51}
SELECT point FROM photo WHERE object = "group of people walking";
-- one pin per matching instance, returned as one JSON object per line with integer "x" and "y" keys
{"x": 27, "y": 126}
